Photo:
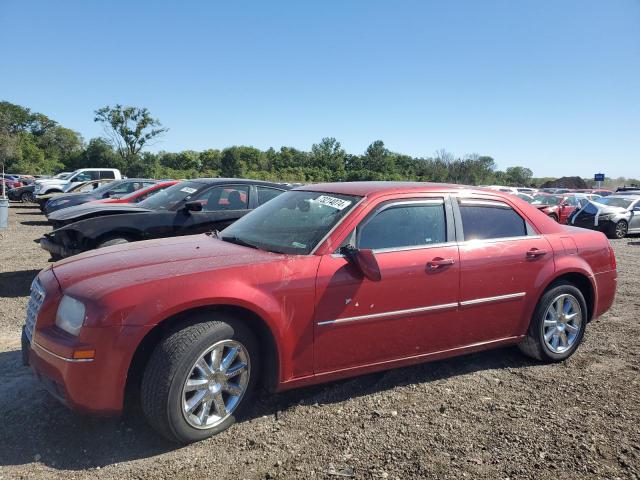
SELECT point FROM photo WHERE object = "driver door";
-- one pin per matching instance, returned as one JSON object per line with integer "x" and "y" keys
{"x": 221, "y": 206}
{"x": 412, "y": 310}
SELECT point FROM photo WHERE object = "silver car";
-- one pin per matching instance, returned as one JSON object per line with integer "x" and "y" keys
{"x": 615, "y": 215}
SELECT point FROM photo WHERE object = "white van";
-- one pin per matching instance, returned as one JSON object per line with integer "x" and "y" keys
{"x": 55, "y": 185}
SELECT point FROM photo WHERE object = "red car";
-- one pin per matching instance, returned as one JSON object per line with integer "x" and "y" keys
{"x": 323, "y": 282}
{"x": 138, "y": 195}
{"x": 547, "y": 204}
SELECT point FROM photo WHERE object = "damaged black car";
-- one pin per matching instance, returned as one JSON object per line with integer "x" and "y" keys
{"x": 189, "y": 207}
{"x": 615, "y": 215}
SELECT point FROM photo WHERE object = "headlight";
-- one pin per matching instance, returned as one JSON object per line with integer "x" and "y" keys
{"x": 70, "y": 315}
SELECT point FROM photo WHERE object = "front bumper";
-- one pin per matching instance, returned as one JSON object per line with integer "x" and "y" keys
{"x": 94, "y": 386}
{"x": 57, "y": 250}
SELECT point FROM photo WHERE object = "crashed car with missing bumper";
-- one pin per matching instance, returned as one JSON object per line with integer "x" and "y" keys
{"x": 187, "y": 208}
{"x": 615, "y": 215}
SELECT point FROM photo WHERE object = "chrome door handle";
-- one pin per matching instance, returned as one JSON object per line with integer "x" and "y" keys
{"x": 440, "y": 262}
{"x": 536, "y": 252}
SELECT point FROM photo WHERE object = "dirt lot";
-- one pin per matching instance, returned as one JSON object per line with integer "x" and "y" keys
{"x": 491, "y": 415}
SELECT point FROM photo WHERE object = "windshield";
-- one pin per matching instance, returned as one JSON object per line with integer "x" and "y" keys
{"x": 545, "y": 200}
{"x": 294, "y": 222}
{"x": 169, "y": 198}
{"x": 615, "y": 202}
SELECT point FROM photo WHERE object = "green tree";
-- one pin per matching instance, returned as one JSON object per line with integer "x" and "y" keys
{"x": 129, "y": 129}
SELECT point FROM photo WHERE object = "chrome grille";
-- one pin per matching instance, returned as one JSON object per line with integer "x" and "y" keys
{"x": 35, "y": 302}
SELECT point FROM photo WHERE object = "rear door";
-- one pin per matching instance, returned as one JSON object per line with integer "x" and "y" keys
{"x": 502, "y": 261}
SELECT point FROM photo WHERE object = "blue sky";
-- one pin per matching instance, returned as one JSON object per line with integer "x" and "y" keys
{"x": 551, "y": 85}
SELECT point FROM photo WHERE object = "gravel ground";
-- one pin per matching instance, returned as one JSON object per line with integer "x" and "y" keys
{"x": 490, "y": 415}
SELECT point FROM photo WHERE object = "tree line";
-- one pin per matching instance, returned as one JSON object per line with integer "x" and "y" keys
{"x": 35, "y": 144}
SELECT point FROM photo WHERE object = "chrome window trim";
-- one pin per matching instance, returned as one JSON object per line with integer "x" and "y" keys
{"x": 324, "y": 239}
{"x": 444, "y": 306}
{"x": 497, "y": 298}
{"x": 72, "y": 360}
{"x": 503, "y": 239}
{"x": 404, "y": 249}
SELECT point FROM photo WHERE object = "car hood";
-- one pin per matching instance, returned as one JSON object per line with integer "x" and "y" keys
{"x": 154, "y": 259}
{"x": 92, "y": 208}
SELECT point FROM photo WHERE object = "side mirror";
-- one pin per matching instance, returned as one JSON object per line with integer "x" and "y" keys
{"x": 192, "y": 207}
{"x": 364, "y": 260}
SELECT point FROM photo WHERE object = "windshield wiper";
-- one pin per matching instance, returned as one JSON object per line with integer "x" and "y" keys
{"x": 237, "y": 241}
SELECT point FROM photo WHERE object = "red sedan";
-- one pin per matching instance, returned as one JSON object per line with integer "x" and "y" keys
{"x": 140, "y": 194}
{"x": 323, "y": 282}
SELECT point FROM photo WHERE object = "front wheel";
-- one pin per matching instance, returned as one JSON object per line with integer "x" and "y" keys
{"x": 558, "y": 324}
{"x": 554, "y": 217}
{"x": 198, "y": 378}
{"x": 27, "y": 197}
{"x": 112, "y": 241}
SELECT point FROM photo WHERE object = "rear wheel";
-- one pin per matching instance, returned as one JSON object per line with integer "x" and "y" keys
{"x": 558, "y": 324}
{"x": 620, "y": 229}
{"x": 199, "y": 378}
{"x": 27, "y": 197}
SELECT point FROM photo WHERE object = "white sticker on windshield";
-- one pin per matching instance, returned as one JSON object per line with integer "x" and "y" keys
{"x": 333, "y": 202}
{"x": 188, "y": 190}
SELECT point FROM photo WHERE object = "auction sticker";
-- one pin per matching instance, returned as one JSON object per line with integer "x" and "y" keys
{"x": 188, "y": 190}
{"x": 337, "y": 203}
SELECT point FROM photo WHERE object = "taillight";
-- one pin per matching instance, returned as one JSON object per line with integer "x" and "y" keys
{"x": 612, "y": 258}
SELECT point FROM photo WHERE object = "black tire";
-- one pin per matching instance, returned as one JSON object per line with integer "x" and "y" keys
{"x": 26, "y": 197}
{"x": 171, "y": 364}
{"x": 112, "y": 241}
{"x": 553, "y": 217}
{"x": 619, "y": 230}
{"x": 533, "y": 344}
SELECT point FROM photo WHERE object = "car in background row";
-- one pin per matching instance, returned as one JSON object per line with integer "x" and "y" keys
{"x": 321, "y": 283}
{"x": 615, "y": 215}
{"x": 113, "y": 189}
{"x": 189, "y": 207}
{"x": 138, "y": 196}
{"x": 83, "y": 187}
{"x": 106, "y": 206}
{"x": 59, "y": 185}
{"x": 22, "y": 194}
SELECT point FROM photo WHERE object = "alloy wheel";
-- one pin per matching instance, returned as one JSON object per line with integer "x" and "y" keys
{"x": 621, "y": 229}
{"x": 216, "y": 384}
{"x": 562, "y": 323}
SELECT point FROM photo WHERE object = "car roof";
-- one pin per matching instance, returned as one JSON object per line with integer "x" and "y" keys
{"x": 241, "y": 181}
{"x": 364, "y": 189}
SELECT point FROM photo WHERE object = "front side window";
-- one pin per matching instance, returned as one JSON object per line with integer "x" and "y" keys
{"x": 410, "y": 224}
{"x": 294, "y": 222}
{"x": 225, "y": 198}
{"x": 484, "y": 219}
{"x": 85, "y": 177}
{"x": 174, "y": 196}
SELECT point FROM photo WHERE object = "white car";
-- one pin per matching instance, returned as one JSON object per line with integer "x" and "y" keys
{"x": 59, "y": 185}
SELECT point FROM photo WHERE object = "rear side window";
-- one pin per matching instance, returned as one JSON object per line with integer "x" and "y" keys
{"x": 490, "y": 219}
{"x": 265, "y": 194}
{"x": 404, "y": 225}
{"x": 107, "y": 174}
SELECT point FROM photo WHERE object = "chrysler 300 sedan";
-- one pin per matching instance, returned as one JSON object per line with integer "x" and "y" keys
{"x": 321, "y": 283}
